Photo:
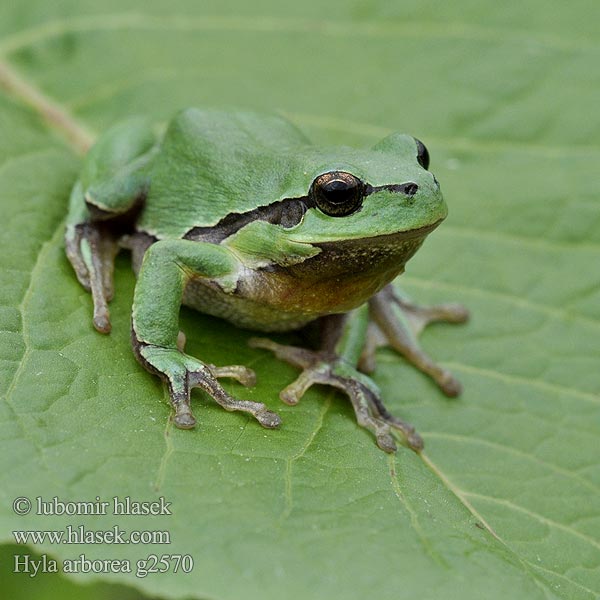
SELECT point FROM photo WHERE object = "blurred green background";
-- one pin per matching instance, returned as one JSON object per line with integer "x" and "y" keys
{"x": 51, "y": 586}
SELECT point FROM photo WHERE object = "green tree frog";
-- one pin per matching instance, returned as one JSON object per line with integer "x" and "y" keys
{"x": 239, "y": 216}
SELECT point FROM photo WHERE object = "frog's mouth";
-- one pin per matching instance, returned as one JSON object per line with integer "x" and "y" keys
{"x": 379, "y": 257}
{"x": 383, "y": 240}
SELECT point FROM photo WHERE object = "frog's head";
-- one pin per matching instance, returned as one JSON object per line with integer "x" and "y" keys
{"x": 369, "y": 210}
{"x": 355, "y": 194}
{"x": 346, "y": 223}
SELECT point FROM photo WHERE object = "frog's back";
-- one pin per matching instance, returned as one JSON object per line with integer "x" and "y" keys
{"x": 213, "y": 163}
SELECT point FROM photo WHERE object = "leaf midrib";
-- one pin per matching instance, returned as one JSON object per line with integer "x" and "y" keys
{"x": 78, "y": 136}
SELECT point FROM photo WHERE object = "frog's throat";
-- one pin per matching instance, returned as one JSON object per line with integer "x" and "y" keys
{"x": 341, "y": 277}
{"x": 367, "y": 263}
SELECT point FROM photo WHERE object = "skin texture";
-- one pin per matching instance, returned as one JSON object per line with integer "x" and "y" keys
{"x": 239, "y": 216}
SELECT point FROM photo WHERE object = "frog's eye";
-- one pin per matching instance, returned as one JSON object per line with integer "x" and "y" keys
{"x": 422, "y": 154}
{"x": 337, "y": 193}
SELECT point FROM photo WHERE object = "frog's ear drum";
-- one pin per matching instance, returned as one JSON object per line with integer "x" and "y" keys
{"x": 337, "y": 193}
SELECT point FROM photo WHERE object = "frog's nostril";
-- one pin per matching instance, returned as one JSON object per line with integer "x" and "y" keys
{"x": 410, "y": 189}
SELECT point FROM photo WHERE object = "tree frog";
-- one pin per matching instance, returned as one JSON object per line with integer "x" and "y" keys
{"x": 238, "y": 215}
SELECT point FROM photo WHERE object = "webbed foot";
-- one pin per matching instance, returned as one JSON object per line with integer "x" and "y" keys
{"x": 397, "y": 322}
{"x": 183, "y": 372}
{"x": 326, "y": 368}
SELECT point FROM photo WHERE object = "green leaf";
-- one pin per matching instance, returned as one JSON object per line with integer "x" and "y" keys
{"x": 504, "y": 502}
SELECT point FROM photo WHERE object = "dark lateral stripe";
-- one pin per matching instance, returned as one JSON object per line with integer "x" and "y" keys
{"x": 287, "y": 213}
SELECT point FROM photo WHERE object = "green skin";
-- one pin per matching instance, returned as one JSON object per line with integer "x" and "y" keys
{"x": 231, "y": 214}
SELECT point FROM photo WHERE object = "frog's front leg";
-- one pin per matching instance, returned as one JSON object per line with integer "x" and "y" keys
{"x": 167, "y": 267}
{"x": 334, "y": 365}
{"x": 397, "y": 322}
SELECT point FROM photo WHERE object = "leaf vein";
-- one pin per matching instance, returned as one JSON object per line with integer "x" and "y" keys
{"x": 542, "y": 385}
{"x": 516, "y": 452}
{"x": 78, "y": 136}
{"x": 288, "y": 493}
{"x": 164, "y": 460}
{"x": 538, "y": 517}
{"x": 278, "y": 25}
{"x": 521, "y": 240}
{"x": 561, "y": 576}
{"x": 41, "y": 257}
{"x": 414, "y": 519}
{"x": 462, "y": 498}
{"x": 555, "y": 313}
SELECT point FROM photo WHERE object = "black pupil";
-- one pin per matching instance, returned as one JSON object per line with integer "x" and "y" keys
{"x": 338, "y": 191}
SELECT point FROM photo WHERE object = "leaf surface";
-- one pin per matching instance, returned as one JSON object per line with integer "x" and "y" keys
{"x": 505, "y": 500}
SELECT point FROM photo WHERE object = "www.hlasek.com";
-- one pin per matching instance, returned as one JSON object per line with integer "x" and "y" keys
{"x": 79, "y": 534}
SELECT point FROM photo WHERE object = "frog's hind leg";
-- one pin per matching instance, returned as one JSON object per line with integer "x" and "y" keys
{"x": 103, "y": 205}
{"x": 91, "y": 248}
{"x": 397, "y": 322}
{"x": 343, "y": 338}
{"x": 352, "y": 339}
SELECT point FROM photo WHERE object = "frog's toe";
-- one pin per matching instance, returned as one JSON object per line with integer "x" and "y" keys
{"x": 101, "y": 321}
{"x": 185, "y": 420}
{"x": 244, "y": 375}
{"x": 299, "y": 357}
{"x": 449, "y": 313}
{"x": 415, "y": 441}
{"x": 398, "y": 323}
{"x": 421, "y": 316}
{"x": 372, "y": 414}
{"x": 73, "y": 237}
{"x": 268, "y": 419}
{"x": 386, "y": 442}
{"x": 292, "y": 393}
{"x": 449, "y": 384}
{"x": 258, "y": 410}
